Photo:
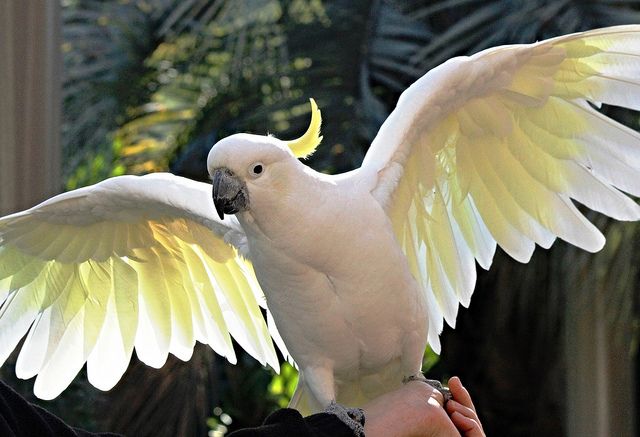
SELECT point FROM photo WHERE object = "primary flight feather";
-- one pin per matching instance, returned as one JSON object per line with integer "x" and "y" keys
{"x": 358, "y": 270}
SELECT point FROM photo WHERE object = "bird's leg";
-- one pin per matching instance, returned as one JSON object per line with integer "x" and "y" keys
{"x": 432, "y": 382}
{"x": 321, "y": 384}
{"x": 412, "y": 351}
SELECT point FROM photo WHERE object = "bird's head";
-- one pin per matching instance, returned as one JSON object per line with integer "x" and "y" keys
{"x": 242, "y": 165}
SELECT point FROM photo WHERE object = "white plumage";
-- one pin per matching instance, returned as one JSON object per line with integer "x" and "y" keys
{"x": 358, "y": 270}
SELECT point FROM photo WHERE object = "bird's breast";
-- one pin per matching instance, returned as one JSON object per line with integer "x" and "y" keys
{"x": 339, "y": 287}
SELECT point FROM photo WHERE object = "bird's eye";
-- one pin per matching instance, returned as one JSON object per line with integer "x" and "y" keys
{"x": 256, "y": 169}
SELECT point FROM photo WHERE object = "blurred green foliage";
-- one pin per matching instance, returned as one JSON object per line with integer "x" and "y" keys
{"x": 283, "y": 384}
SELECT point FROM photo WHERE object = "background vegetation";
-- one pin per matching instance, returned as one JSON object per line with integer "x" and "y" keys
{"x": 150, "y": 85}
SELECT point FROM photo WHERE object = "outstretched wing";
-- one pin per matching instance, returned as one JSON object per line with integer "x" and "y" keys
{"x": 130, "y": 262}
{"x": 492, "y": 148}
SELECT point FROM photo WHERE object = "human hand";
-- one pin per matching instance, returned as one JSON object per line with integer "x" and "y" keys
{"x": 462, "y": 411}
{"x": 414, "y": 410}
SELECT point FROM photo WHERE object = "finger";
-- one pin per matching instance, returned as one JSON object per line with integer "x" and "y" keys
{"x": 460, "y": 393}
{"x": 467, "y": 427}
{"x": 453, "y": 406}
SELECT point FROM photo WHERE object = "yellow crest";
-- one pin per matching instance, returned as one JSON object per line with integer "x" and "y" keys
{"x": 307, "y": 143}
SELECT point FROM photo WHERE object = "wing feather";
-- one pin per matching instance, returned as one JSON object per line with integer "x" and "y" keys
{"x": 474, "y": 231}
{"x": 117, "y": 305}
{"x": 131, "y": 262}
{"x": 217, "y": 333}
{"x": 494, "y": 148}
{"x": 34, "y": 348}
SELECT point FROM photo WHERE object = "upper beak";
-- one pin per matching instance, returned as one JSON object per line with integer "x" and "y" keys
{"x": 229, "y": 196}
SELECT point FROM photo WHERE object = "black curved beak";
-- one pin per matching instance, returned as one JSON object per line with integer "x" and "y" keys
{"x": 229, "y": 193}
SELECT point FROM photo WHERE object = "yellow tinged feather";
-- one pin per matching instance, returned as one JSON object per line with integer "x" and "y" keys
{"x": 443, "y": 243}
{"x": 616, "y": 64}
{"x": 56, "y": 241}
{"x": 77, "y": 240}
{"x": 250, "y": 292}
{"x": 469, "y": 127}
{"x": 116, "y": 305}
{"x": 402, "y": 200}
{"x": 12, "y": 261}
{"x": 529, "y": 194}
{"x": 505, "y": 234}
{"x": 558, "y": 118}
{"x": 423, "y": 172}
{"x": 575, "y": 70}
{"x": 217, "y": 332}
{"x": 546, "y": 56}
{"x": 491, "y": 115}
{"x": 484, "y": 244}
{"x": 28, "y": 273}
{"x": 542, "y": 167}
{"x": 125, "y": 292}
{"x": 65, "y": 361}
{"x": 74, "y": 333}
{"x": 250, "y": 315}
{"x": 191, "y": 287}
{"x": 64, "y": 306}
{"x": 583, "y": 48}
{"x": 154, "y": 330}
{"x": 543, "y": 141}
{"x": 588, "y": 189}
{"x": 57, "y": 281}
{"x": 411, "y": 250}
{"x": 16, "y": 315}
{"x": 34, "y": 348}
{"x": 31, "y": 239}
{"x": 94, "y": 311}
{"x": 441, "y": 287}
{"x": 536, "y": 87}
{"x": 236, "y": 315}
{"x": 215, "y": 248}
{"x": 4, "y": 289}
{"x": 87, "y": 244}
{"x": 182, "y": 337}
{"x": 463, "y": 218}
{"x": 505, "y": 200}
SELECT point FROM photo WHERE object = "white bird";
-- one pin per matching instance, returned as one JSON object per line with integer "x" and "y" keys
{"x": 359, "y": 269}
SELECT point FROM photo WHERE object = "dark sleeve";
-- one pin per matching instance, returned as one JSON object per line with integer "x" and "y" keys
{"x": 289, "y": 422}
{"x": 19, "y": 418}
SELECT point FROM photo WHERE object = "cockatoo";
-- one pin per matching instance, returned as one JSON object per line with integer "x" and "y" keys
{"x": 357, "y": 271}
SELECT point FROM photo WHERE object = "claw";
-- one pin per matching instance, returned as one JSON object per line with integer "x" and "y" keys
{"x": 352, "y": 417}
{"x": 446, "y": 394}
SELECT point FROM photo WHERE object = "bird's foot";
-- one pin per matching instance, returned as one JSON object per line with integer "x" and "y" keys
{"x": 432, "y": 382}
{"x": 352, "y": 417}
